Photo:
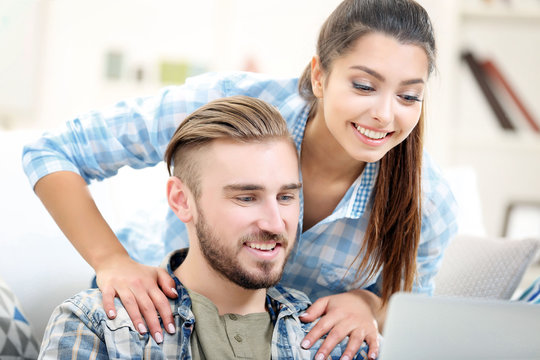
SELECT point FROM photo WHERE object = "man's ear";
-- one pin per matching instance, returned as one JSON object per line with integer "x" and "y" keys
{"x": 316, "y": 77}
{"x": 179, "y": 198}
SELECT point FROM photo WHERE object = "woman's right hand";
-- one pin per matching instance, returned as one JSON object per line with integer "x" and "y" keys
{"x": 143, "y": 291}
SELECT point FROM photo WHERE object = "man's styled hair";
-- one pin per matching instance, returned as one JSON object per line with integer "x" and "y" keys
{"x": 238, "y": 118}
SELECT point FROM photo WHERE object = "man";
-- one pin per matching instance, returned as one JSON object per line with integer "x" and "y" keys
{"x": 236, "y": 186}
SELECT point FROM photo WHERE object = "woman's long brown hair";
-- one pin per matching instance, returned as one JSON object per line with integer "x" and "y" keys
{"x": 393, "y": 232}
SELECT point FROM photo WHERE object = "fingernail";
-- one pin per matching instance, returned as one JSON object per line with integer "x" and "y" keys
{"x": 158, "y": 337}
{"x": 305, "y": 344}
{"x": 319, "y": 357}
{"x": 142, "y": 328}
{"x": 372, "y": 356}
{"x": 345, "y": 357}
{"x": 112, "y": 314}
{"x": 171, "y": 328}
{"x": 174, "y": 291}
{"x": 304, "y": 314}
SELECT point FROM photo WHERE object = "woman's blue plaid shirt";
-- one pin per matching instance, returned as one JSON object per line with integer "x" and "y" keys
{"x": 136, "y": 133}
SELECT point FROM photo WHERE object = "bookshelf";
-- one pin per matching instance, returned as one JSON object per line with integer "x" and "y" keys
{"x": 507, "y": 163}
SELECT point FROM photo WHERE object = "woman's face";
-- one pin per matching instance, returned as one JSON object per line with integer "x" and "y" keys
{"x": 372, "y": 97}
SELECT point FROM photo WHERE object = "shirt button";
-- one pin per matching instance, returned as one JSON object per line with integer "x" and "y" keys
{"x": 238, "y": 338}
{"x": 233, "y": 317}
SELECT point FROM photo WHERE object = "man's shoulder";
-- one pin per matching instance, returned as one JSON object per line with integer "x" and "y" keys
{"x": 290, "y": 297}
{"x": 87, "y": 305}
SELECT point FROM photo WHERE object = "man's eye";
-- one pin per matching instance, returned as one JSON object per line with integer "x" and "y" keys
{"x": 362, "y": 87}
{"x": 245, "y": 198}
{"x": 286, "y": 197}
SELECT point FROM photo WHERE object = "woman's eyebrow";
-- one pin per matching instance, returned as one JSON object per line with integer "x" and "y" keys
{"x": 369, "y": 71}
{"x": 379, "y": 77}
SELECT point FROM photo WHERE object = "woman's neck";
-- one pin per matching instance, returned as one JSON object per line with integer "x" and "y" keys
{"x": 324, "y": 157}
{"x": 327, "y": 172}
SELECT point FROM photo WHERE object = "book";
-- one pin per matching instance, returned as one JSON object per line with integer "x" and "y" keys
{"x": 481, "y": 78}
{"x": 493, "y": 71}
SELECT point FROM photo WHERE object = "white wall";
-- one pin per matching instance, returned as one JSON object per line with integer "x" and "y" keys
{"x": 218, "y": 34}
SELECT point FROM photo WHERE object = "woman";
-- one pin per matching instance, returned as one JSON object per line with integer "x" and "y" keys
{"x": 376, "y": 214}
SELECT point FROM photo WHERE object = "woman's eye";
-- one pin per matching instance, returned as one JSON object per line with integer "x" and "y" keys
{"x": 410, "y": 98}
{"x": 362, "y": 87}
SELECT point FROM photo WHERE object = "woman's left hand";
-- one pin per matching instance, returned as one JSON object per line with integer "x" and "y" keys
{"x": 350, "y": 314}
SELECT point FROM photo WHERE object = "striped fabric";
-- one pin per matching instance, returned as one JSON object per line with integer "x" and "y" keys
{"x": 532, "y": 294}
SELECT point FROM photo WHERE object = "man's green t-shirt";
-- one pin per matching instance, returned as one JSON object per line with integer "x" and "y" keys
{"x": 229, "y": 336}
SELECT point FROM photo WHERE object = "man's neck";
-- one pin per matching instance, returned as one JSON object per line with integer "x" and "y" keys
{"x": 229, "y": 298}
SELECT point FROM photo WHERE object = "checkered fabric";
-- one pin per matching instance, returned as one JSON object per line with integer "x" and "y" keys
{"x": 136, "y": 133}
{"x": 16, "y": 339}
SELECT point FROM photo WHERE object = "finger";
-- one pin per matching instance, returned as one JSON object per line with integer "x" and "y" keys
{"x": 148, "y": 311}
{"x": 356, "y": 339}
{"x": 315, "y": 311}
{"x": 322, "y": 327}
{"x": 132, "y": 308}
{"x": 372, "y": 341}
{"x": 167, "y": 284}
{"x": 161, "y": 303}
{"x": 334, "y": 337}
{"x": 108, "y": 295}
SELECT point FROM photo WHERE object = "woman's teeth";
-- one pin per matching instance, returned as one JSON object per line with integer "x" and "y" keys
{"x": 262, "y": 246}
{"x": 376, "y": 135}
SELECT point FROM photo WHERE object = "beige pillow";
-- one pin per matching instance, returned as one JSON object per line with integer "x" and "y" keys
{"x": 484, "y": 267}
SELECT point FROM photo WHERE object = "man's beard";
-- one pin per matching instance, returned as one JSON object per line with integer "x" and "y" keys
{"x": 224, "y": 260}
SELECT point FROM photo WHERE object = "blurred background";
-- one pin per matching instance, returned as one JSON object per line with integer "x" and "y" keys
{"x": 63, "y": 57}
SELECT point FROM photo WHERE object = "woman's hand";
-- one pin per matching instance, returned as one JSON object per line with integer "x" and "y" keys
{"x": 352, "y": 314}
{"x": 143, "y": 291}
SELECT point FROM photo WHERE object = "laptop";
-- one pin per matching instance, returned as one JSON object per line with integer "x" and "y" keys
{"x": 439, "y": 328}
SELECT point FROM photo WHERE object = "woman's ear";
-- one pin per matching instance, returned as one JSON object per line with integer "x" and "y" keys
{"x": 178, "y": 196}
{"x": 316, "y": 77}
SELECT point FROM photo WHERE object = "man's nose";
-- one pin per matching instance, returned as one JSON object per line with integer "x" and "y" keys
{"x": 271, "y": 219}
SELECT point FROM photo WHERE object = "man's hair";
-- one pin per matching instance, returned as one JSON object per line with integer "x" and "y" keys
{"x": 239, "y": 118}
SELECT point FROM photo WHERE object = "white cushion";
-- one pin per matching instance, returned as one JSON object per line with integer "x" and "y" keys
{"x": 484, "y": 267}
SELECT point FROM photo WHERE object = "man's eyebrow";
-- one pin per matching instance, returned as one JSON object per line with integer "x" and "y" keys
{"x": 254, "y": 187}
{"x": 242, "y": 187}
{"x": 381, "y": 78}
{"x": 292, "y": 186}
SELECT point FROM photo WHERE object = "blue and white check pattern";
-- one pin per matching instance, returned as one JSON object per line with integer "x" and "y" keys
{"x": 80, "y": 329}
{"x": 136, "y": 133}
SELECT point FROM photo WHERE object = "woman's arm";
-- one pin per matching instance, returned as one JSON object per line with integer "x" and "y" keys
{"x": 96, "y": 145}
{"x": 141, "y": 288}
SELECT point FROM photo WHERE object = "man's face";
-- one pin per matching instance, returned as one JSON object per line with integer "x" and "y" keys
{"x": 248, "y": 210}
